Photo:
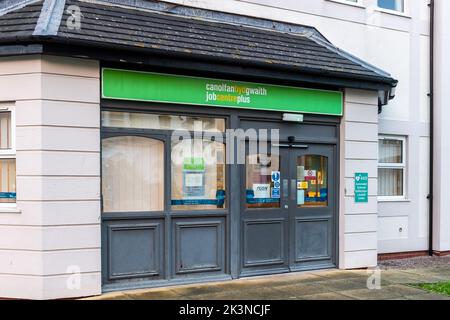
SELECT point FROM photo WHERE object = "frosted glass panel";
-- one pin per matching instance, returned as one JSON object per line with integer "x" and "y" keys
{"x": 161, "y": 122}
{"x": 390, "y": 151}
{"x": 5, "y": 130}
{"x": 133, "y": 174}
{"x": 390, "y": 182}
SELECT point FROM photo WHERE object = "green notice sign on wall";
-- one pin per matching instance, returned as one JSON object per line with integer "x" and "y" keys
{"x": 155, "y": 87}
{"x": 361, "y": 187}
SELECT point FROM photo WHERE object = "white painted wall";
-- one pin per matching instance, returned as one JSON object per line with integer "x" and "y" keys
{"x": 359, "y": 153}
{"x": 55, "y": 229}
{"x": 442, "y": 128}
{"x": 396, "y": 43}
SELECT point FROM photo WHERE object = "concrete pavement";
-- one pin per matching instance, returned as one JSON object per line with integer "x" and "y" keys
{"x": 317, "y": 285}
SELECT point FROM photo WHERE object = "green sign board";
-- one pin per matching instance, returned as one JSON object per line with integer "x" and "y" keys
{"x": 155, "y": 87}
{"x": 194, "y": 164}
{"x": 361, "y": 187}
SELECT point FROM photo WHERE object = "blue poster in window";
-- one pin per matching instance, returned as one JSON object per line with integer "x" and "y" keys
{"x": 7, "y": 195}
{"x": 275, "y": 193}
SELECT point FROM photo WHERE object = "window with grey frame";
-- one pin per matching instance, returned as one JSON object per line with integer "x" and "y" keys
{"x": 392, "y": 168}
{"x": 133, "y": 167}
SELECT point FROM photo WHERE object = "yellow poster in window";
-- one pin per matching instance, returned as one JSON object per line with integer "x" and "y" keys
{"x": 302, "y": 185}
{"x": 312, "y": 194}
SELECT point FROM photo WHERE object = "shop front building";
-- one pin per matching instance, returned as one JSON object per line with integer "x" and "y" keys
{"x": 194, "y": 191}
{"x": 152, "y": 149}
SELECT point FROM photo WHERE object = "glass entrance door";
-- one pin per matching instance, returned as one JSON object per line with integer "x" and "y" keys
{"x": 264, "y": 218}
{"x": 288, "y": 210}
{"x": 312, "y": 206}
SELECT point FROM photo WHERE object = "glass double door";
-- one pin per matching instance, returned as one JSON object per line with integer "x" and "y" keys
{"x": 288, "y": 213}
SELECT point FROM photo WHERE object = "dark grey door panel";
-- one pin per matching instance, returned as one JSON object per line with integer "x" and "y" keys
{"x": 199, "y": 246}
{"x": 264, "y": 242}
{"x": 312, "y": 240}
{"x": 135, "y": 250}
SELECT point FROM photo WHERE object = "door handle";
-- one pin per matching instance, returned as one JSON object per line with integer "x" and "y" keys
{"x": 285, "y": 188}
{"x": 300, "y": 146}
{"x": 293, "y": 189}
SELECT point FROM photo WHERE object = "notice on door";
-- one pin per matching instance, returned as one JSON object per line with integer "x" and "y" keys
{"x": 361, "y": 187}
{"x": 261, "y": 191}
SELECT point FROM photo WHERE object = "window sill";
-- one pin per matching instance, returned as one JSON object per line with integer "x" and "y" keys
{"x": 348, "y": 3}
{"x": 9, "y": 210}
{"x": 393, "y": 12}
{"x": 393, "y": 200}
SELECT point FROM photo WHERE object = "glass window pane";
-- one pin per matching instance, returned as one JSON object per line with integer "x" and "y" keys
{"x": 396, "y": 5}
{"x": 7, "y": 180}
{"x": 312, "y": 181}
{"x": 5, "y": 130}
{"x": 259, "y": 184}
{"x": 133, "y": 174}
{"x": 161, "y": 122}
{"x": 390, "y": 182}
{"x": 390, "y": 151}
{"x": 198, "y": 181}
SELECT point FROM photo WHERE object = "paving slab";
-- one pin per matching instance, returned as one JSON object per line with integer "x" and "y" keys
{"x": 292, "y": 278}
{"x": 110, "y": 296}
{"x": 429, "y": 296}
{"x": 301, "y": 289}
{"x": 365, "y": 294}
{"x": 327, "y": 296}
{"x": 343, "y": 284}
{"x": 264, "y": 294}
{"x": 341, "y": 274}
{"x": 402, "y": 277}
{"x": 430, "y": 275}
{"x": 317, "y": 285}
{"x": 155, "y": 295}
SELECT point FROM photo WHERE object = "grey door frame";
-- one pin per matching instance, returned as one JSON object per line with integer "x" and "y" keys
{"x": 235, "y": 118}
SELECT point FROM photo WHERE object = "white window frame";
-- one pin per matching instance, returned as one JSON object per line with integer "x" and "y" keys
{"x": 403, "y": 165}
{"x": 357, "y": 3}
{"x": 10, "y": 153}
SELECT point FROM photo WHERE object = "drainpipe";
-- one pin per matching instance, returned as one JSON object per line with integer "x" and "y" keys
{"x": 431, "y": 95}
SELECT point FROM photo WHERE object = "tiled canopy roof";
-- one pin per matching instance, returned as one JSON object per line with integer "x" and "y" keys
{"x": 132, "y": 28}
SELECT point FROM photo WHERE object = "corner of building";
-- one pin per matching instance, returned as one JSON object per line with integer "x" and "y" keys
{"x": 50, "y": 242}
